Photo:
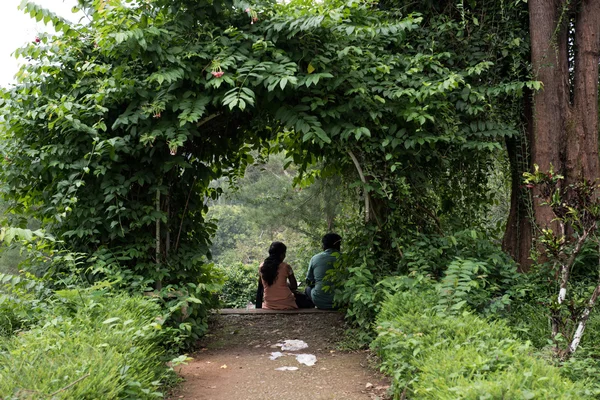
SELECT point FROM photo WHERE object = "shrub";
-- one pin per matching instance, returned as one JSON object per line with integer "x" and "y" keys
{"x": 9, "y": 260}
{"x": 481, "y": 285}
{"x": 530, "y": 320}
{"x": 355, "y": 277}
{"x": 11, "y": 316}
{"x": 470, "y": 268}
{"x": 90, "y": 345}
{"x": 241, "y": 282}
{"x": 431, "y": 254}
{"x": 22, "y": 302}
{"x": 433, "y": 356}
{"x": 186, "y": 297}
{"x": 584, "y": 366}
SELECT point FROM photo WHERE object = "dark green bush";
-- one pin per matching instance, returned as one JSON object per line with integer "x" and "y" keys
{"x": 470, "y": 268}
{"x": 185, "y": 297}
{"x": 90, "y": 345}
{"x": 11, "y": 316}
{"x": 431, "y": 254}
{"x": 435, "y": 356}
{"x": 479, "y": 284}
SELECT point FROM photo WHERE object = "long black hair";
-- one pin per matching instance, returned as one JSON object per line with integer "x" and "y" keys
{"x": 268, "y": 271}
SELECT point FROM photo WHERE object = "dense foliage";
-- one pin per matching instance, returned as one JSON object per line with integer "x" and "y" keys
{"x": 116, "y": 128}
{"x": 431, "y": 356}
{"x": 441, "y": 183}
{"x": 146, "y": 104}
{"x": 472, "y": 273}
{"x": 128, "y": 137}
{"x": 80, "y": 343}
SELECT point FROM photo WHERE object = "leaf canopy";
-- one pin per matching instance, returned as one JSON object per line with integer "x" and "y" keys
{"x": 165, "y": 96}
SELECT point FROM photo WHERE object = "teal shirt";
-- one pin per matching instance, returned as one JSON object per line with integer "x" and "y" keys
{"x": 318, "y": 267}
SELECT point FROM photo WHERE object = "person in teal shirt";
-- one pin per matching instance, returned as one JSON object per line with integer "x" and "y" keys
{"x": 317, "y": 269}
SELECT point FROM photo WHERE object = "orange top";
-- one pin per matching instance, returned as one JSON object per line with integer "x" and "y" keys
{"x": 278, "y": 296}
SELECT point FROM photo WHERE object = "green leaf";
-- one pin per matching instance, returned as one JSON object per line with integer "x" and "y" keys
{"x": 527, "y": 395}
{"x": 282, "y": 83}
{"x": 194, "y": 300}
{"x": 321, "y": 134}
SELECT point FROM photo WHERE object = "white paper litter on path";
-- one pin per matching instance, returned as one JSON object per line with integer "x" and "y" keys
{"x": 306, "y": 359}
{"x": 293, "y": 345}
{"x": 286, "y": 369}
{"x": 275, "y": 355}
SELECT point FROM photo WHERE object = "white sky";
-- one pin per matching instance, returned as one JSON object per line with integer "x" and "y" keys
{"x": 17, "y": 28}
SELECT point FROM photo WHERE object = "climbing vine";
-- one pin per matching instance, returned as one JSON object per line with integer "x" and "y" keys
{"x": 117, "y": 126}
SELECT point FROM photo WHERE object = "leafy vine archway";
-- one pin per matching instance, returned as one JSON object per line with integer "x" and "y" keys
{"x": 116, "y": 127}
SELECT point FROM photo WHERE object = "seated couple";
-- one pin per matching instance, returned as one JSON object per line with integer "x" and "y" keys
{"x": 278, "y": 286}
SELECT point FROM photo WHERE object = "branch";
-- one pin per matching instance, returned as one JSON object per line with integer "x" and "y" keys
{"x": 566, "y": 267}
{"x": 364, "y": 181}
{"x": 434, "y": 217}
{"x": 183, "y": 215}
{"x": 585, "y": 316}
{"x": 207, "y": 119}
{"x": 583, "y": 320}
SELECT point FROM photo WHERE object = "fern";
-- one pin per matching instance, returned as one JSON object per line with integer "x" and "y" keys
{"x": 192, "y": 110}
{"x": 462, "y": 276}
{"x": 167, "y": 75}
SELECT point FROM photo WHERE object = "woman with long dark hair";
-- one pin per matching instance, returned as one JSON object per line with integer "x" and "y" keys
{"x": 274, "y": 276}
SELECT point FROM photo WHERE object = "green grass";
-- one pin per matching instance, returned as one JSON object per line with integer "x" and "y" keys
{"x": 89, "y": 345}
{"x": 463, "y": 356}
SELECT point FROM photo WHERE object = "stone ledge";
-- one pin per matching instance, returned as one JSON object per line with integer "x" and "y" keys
{"x": 244, "y": 311}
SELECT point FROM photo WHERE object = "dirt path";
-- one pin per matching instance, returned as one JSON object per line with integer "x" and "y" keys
{"x": 234, "y": 362}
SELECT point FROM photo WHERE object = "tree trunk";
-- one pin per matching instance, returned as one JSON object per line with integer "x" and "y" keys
{"x": 549, "y": 57}
{"x": 158, "y": 283}
{"x": 565, "y": 42}
{"x": 582, "y": 129}
{"x": 519, "y": 231}
{"x": 366, "y": 194}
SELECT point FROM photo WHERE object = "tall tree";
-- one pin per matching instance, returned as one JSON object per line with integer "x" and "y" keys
{"x": 565, "y": 52}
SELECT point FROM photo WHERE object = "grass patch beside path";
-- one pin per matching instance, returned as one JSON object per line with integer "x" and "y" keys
{"x": 88, "y": 345}
{"x": 433, "y": 356}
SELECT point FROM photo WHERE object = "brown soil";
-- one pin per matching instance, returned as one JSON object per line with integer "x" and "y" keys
{"x": 234, "y": 364}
